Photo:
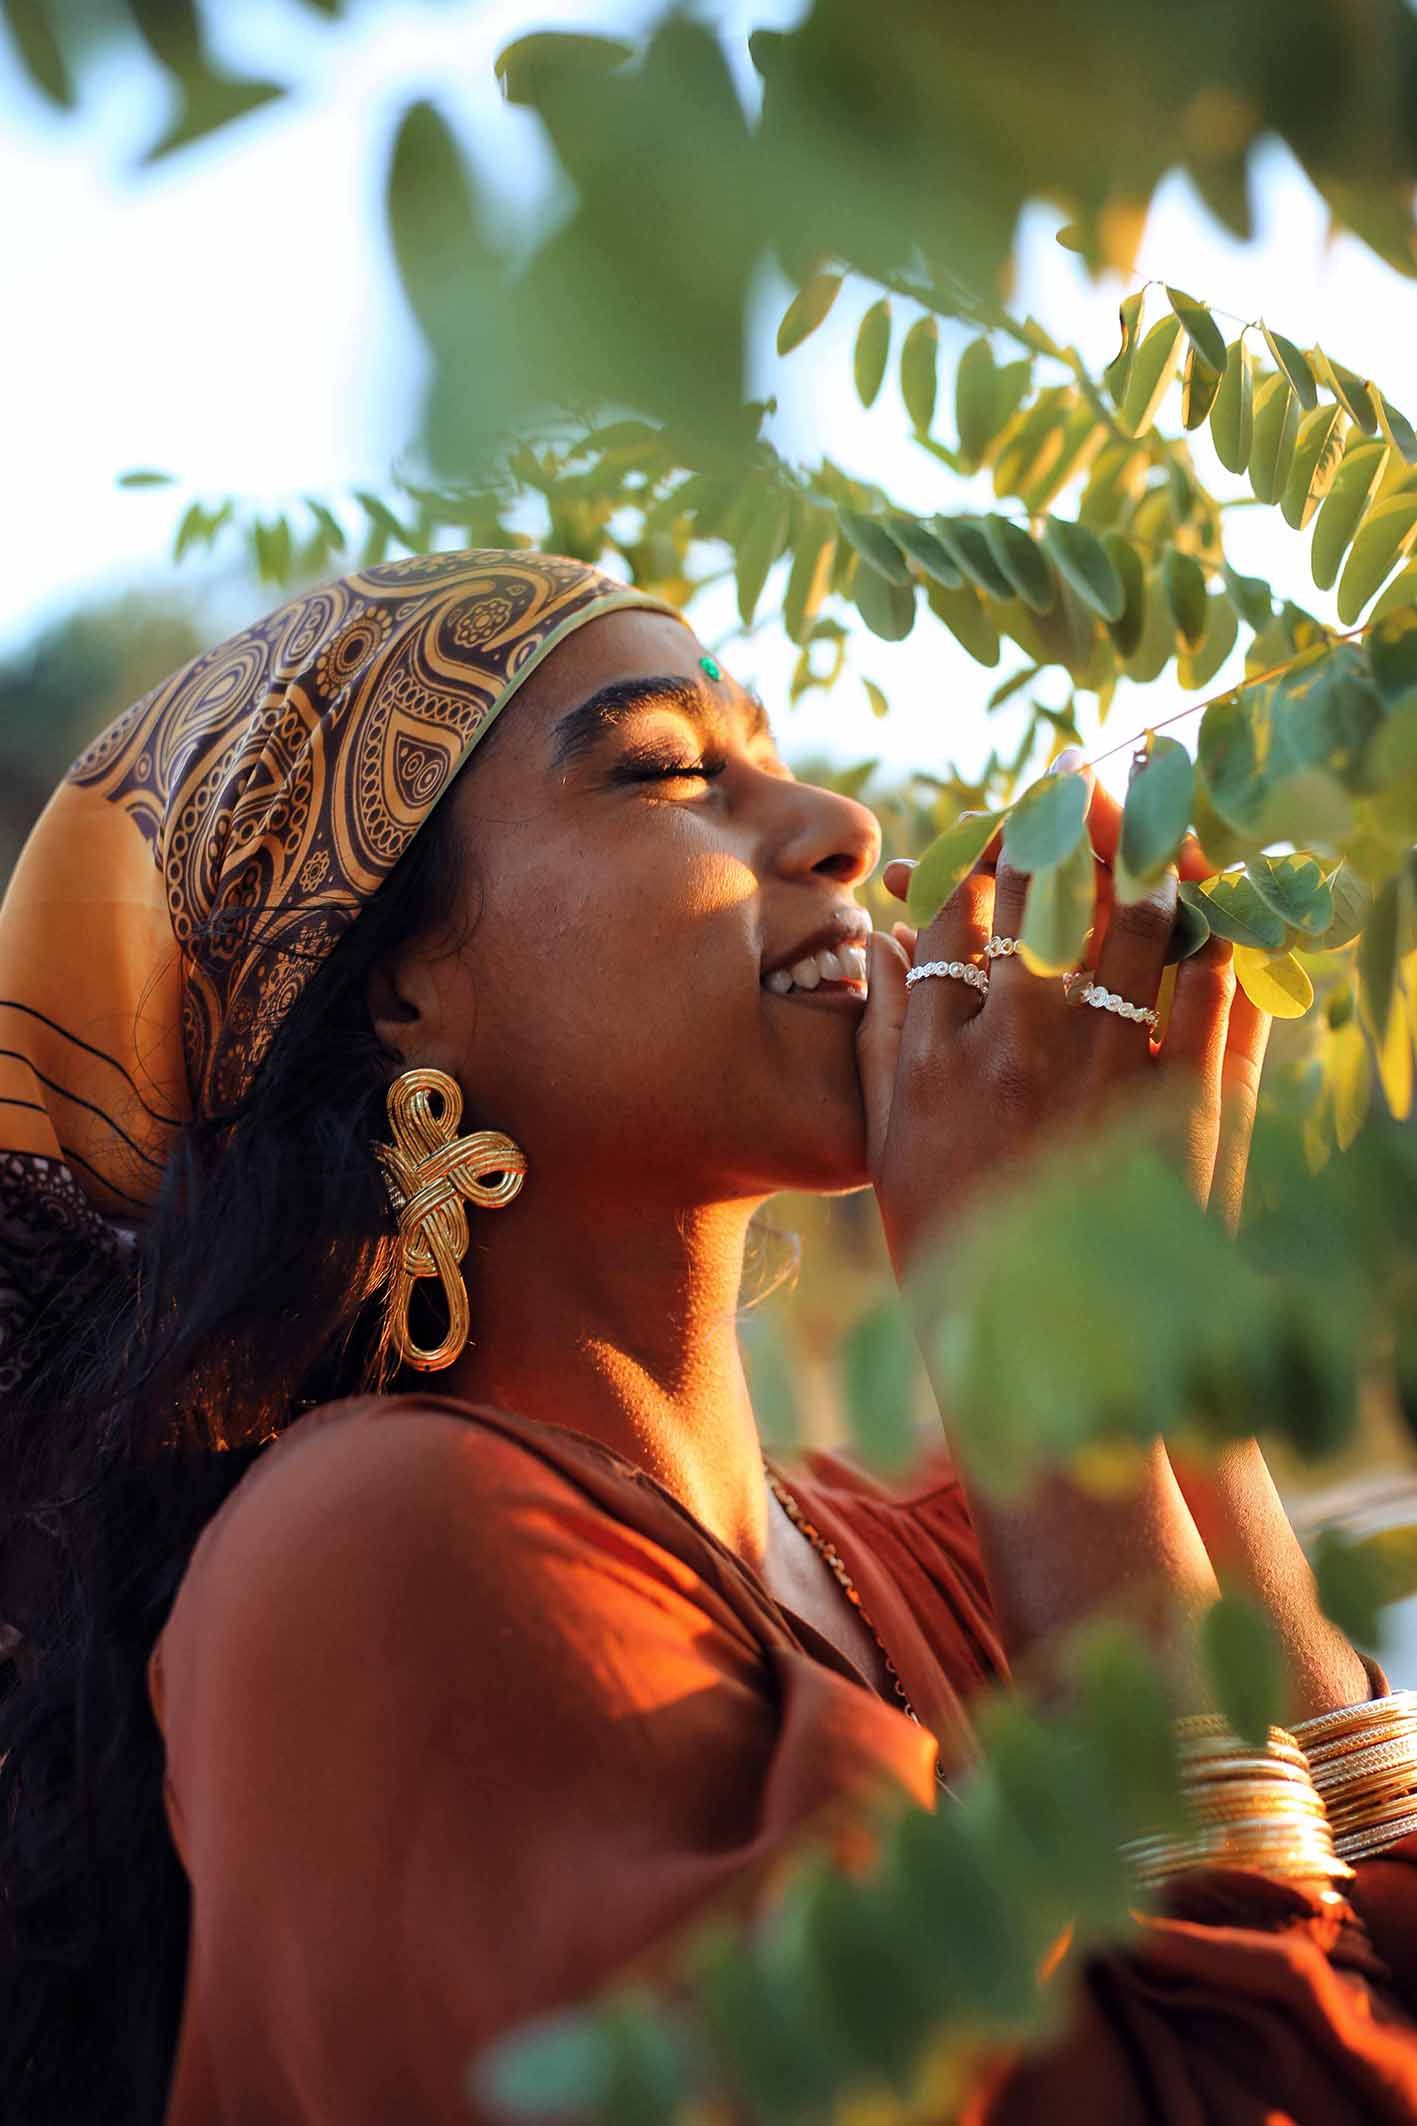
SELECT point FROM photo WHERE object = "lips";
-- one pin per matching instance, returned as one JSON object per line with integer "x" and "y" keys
{"x": 831, "y": 957}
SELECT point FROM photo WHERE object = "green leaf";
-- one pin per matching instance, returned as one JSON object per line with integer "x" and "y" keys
{"x": 1152, "y": 369}
{"x": 880, "y": 708}
{"x": 1232, "y": 415}
{"x": 1296, "y": 889}
{"x": 1128, "y": 626}
{"x": 1081, "y": 437}
{"x": 560, "y": 2067}
{"x": 1189, "y": 932}
{"x": 1158, "y": 637}
{"x": 917, "y": 540}
{"x": 878, "y": 1366}
{"x": 1044, "y": 825}
{"x": 807, "y": 309}
{"x": 529, "y": 65}
{"x": 41, "y": 55}
{"x": 1385, "y": 535}
{"x": 1396, "y": 427}
{"x": 1275, "y": 433}
{"x": 1020, "y": 561}
{"x": 965, "y": 615}
{"x": 1350, "y": 391}
{"x": 1199, "y": 666}
{"x": 947, "y": 860}
{"x": 1275, "y": 983}
{"x": 1293, "y": 365}
{"x": 1400, "y": 595}
{"x": 1199, "y": 384}
{"x": 1084, "y": 562}
{"x": 1318, "y": 453}
{"x": 976, "y": 399}
{"x": 1032, "y": 443}
{"x": 919, "y": 372}
{"x": 1243, "y": 1663}
{"x": 1353, "y": 487}
{"x": 1183, "y": 581}
{"x": 1392, "y": 653}
{"x": 874, "y": 544}
{"x": 964, "y": 540}
{"x": 1250, "y": 595}
{"x": 1232, "y": 754}
{"x": 757, "y": 551}
{"x": 1118, "y": 371}
{"x": 1201, "y": 329}
{"x": 1353, "y": 1582}
{"x": 872, "y": 351}
{"x": 887, "y": 607}
{"x": 1059, "y": 910}
{"x": 809, "y": 578}
{"x": 772, "y": 1379}
{"x": 1378, "y": 955}
{"x": 1352, "y": 900}
{"x": 1234, "y": 910}
{"x": 1122, "y": 1704}
{"x": 144, "y": 477}
{"x": 1156, "y": 814}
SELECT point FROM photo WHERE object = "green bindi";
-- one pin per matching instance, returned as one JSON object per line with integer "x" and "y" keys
{"x": 710, "y": 667}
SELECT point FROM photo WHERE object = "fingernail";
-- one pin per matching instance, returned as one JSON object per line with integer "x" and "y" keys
{"x": 1068, "y": 761}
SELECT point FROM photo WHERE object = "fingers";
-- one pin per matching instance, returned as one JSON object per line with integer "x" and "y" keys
{"x": 878, "y": 1036}
{"x": 1133, "y": 958}
{"x": 1011, "y": 892}
{"x": 1246, "y": 1039}
{"x": 939, "y": 1004}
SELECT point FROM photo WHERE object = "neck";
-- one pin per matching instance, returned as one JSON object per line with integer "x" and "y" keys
{"x": 618, "y": 1321}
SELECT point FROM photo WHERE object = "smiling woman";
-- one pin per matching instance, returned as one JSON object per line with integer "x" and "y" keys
{"x": 423, "y": 968}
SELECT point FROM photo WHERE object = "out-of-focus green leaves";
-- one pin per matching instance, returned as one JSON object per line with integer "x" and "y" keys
{"x": 920, "y": 370}
{"x": 807, "y": 310}
{"x": 31, "y": 25}
{"x": 945, "y": 863}
{"x": 879, "y": 1365}
{"x": 1059, "y": 910}
{"x": 1243, "y": 1662}
{"x": 1084, "y": 562}
{"x": 872, "y": 351}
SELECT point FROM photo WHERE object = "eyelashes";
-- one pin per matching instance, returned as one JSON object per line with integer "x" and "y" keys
{"x": 671, "y": 770}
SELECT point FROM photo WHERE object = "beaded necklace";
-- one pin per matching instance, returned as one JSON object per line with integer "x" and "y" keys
{"x": 833, "y": 1557}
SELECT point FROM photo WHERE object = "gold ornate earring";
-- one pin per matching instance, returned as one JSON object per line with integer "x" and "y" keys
{"x": 429, "y": 1169}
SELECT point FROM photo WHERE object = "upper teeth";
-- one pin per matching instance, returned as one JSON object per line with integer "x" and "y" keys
{"x": 847, "y": 963}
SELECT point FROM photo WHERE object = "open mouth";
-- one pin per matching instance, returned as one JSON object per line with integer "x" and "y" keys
{"x": 840, "y": 971}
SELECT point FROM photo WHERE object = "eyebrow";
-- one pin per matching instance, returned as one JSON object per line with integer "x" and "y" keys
{"x": 583, "y": 728}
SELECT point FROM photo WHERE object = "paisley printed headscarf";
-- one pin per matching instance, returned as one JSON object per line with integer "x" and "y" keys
{"x": 206, "y": 853}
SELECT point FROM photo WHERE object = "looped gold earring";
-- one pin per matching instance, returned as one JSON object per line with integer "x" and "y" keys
{"x": 429, "y": 1169}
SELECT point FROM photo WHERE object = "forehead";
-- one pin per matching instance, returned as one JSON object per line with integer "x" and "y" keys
{"x": 626, "y": 645}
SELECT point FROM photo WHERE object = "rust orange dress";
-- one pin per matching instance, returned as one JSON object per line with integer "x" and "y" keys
{"x": 466, "y": 1715}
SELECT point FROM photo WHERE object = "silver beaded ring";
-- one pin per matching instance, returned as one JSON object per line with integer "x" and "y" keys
{"x": 957, "y": 970}
{"x": 1000, "y": 948}
{"x": 1107, "y": 1000}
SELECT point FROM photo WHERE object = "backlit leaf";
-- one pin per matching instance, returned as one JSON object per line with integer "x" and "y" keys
{"x": 976, "y": 399}
{"x": 1197, "y": 667}
{"x": 887, "y": 607}
{"x": 874, "y": 544}
{"x": 757, "y": 551}
{"x": 1152, "y": 369}
{"x": 1294, "y": 367}
{"x": 1059, "y": 911}
{"x": 1318, "y": 453}
{"x": 1199, "y": 384}
{"x": 1183, "y": 581}
{"x": 919, "y": 372}
{"x": 949, "y": 857}
{"x": 964, "y": 541}
{"x": 1396, "y": 427}
{"x": 1232, "y": 415}
{"x": 922, "y": 545}
{"x": 1275, "y": 433}
{"x": 1201, "y": 329}
{"x": 1386, "y": 533}
{"x": 1353, "y": 487}
{"x": 966, "y": 616}
{"x": 872, "y": 351}
{"x": 1243, "y": 1662}
{"x": 1392, "y": 653}
{"x": 1157, "y": 811}
{"x": 1021, "y": 562}
{"x": 1350, "y": 391}
{"x": 1044, "y": 825}
{"x": 809, "y": 578}
{"x": 1250, "y": 596}
{"x": 807, "y": 309}
{"x": 1082, "y": 559}
{"x": 1295, "y": 888}
{"x": 1127, "y": 627}
{"x": 1352, "y": 899}
{"x": 1234, "y": 910}
{"x": 1118, "y": 370}
{"x": 41, "y": 55}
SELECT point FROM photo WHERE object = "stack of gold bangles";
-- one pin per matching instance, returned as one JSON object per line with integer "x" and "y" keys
{"x": 1363, "y": 1762}
{"x": 1255, "y": 1809}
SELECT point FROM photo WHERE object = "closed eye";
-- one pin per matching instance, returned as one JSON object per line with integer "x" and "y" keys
{"x": 669, "y": 771}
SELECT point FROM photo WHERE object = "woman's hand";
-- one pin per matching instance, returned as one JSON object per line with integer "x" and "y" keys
{"x": 959, "y": 1087}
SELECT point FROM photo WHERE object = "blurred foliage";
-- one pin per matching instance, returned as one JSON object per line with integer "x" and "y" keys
{"x": 1076, "y": 543}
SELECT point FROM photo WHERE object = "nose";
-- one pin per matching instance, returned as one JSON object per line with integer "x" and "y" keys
{"x": 822, "y": 831}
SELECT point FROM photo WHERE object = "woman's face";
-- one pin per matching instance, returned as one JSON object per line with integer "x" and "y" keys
{"x": 637, "y": 868}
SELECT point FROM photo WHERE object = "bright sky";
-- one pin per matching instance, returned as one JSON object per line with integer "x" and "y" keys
{"x": 233, "y": 317}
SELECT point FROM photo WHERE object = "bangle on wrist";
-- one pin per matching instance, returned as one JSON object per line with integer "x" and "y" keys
{"x": 1249, "y": 1808}
{"x": 1363, "y": 1761}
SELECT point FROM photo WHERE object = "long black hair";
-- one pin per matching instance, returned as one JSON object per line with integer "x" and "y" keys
{"x": 247, "y": 1297}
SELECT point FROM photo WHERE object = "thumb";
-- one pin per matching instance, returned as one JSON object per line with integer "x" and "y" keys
{"x": 878, "y": 1036}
